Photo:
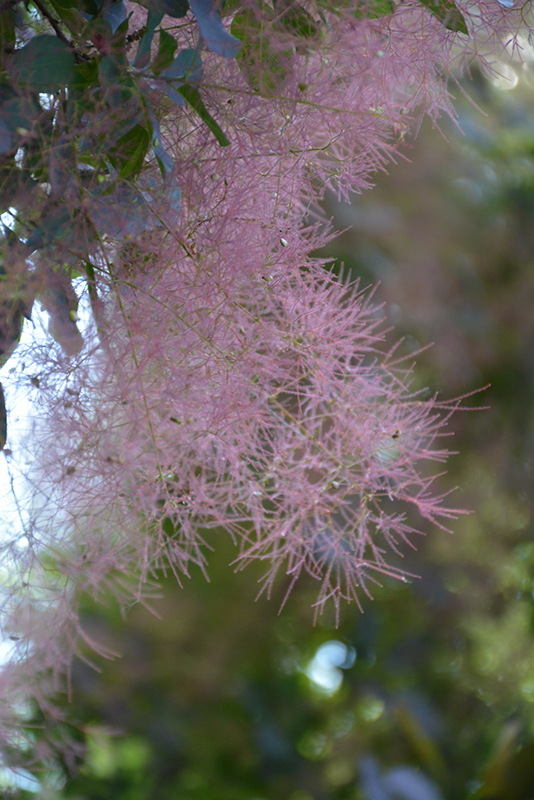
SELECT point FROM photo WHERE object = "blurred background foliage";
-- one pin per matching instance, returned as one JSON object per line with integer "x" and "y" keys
{"x": 429, "y": 694}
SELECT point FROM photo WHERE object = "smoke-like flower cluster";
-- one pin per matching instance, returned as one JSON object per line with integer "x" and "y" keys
{"x": 228, "y": 380}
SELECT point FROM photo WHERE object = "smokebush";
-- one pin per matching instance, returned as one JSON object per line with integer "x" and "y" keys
{"x": 184, "y": 362}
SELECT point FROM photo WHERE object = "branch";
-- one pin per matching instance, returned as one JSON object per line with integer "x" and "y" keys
{"x": 53, "y": 22}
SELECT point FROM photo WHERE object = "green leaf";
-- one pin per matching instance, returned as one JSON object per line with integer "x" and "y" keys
{"x": 194, "y": 99}
{"x": 130, "y": 152}
{"x": 45, "y": 63}
{"x": 143, "y": 53}
{"x": 165, "y": 54}
{"x": 361, "y": 9}
{"x": 373, "y": 9}
{"x": 448, "y": 14}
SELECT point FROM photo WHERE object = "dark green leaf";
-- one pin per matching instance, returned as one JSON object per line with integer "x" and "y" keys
{"x": 130, "y": 152}
{"x": 448, "y": 14}
{"x": 194, "y": 99}
{"x": 173, "y": 8}
{"x": 66, "y": 4}
{"x": 45, "y": 63}
{"x": 165, "y": 54}
{"x": 85, "y": 6}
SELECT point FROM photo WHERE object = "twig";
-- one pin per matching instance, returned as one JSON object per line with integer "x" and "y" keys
{"x": 53, "y": 22}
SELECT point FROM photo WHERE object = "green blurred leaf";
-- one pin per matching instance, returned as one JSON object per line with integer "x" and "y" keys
{"x": 264, "y": 70}
{"x": 45, "y": 63}
{"x": 361, "y": 9}
{"x": 194, "y": 99}
{"x": 374, "y": 9}
{"x": 299, "y": 23}
{"x": 448, "y": 14}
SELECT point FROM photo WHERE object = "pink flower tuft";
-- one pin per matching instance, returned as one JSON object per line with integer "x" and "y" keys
{"x": 226, "y": 379}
